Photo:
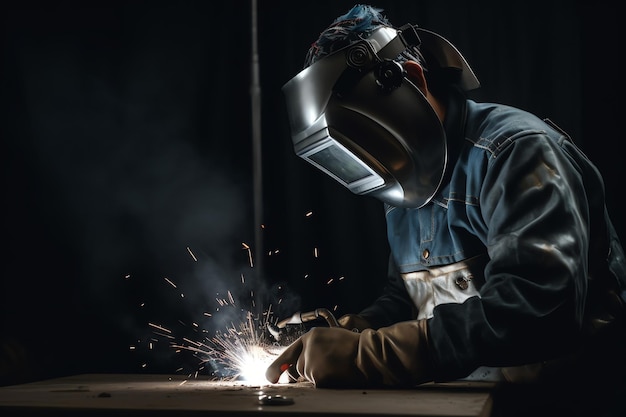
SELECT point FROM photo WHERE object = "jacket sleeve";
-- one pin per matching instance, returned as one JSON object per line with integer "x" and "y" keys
{"x": 530, "y": 308}
{"x": 393, "y": 305}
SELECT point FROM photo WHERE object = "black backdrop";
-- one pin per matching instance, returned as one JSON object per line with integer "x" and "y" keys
{"x": 127, "y": 163}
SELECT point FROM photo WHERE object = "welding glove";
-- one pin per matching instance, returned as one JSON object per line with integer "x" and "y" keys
{"x": 354, "y": 322}
{"x": 334, "y": 357}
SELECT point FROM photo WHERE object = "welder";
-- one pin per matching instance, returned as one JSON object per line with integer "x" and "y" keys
{"x": 504, "y": 263}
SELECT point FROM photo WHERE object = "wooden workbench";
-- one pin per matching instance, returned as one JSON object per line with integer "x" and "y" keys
{"x": 168, "y": 395}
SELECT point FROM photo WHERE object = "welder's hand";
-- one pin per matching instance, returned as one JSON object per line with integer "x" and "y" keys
{"x": 353, "y": 322}
{"x": 323, "y": 355}
{"x": 333, "y": 357}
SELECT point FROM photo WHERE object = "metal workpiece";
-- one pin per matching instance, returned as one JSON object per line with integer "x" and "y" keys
{"x": 265, "y": 399}
{"x": 180, "y": 396}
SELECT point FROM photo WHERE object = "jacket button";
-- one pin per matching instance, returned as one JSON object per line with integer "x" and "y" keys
{"x": 426, "y": 254}
{"x": 463, "y": 282}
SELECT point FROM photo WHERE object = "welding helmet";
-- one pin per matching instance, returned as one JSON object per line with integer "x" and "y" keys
{"x": 356, "y": 116}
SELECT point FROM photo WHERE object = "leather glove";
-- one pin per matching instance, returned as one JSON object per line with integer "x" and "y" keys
{"x": 333, "y": 357}
{"x": 353, "y": 322}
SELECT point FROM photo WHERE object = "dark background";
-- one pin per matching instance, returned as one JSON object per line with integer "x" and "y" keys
{"x": 127, "y": 152}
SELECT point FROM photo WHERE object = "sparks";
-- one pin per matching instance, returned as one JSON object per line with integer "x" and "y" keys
{"x": 246, "y": 247}
{"x": 191, "y": 253}
{"x": 156, "y": 326}
{"x": 240, "y": 352}
{"x": 244, "y": 352}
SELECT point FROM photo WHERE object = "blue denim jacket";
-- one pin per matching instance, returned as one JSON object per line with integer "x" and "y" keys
{"x": 522, "y": 195}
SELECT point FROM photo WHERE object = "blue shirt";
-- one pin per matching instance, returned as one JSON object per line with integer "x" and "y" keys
{"x": 520, "y": 193}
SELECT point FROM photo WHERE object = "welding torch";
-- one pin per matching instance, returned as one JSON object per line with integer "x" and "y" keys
{"x": 299, "y": 318}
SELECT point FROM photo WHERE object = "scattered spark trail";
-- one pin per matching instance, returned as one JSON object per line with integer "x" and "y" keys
{"x": 156, "y": 326}
{"x": 249, "y": 254}
{"x": 240, "y": 351}
{"x": 245, "y": 351}
{"x": 191, "y": 253}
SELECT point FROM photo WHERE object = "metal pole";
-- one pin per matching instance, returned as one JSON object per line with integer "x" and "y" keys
{"x": 255, "y": 93}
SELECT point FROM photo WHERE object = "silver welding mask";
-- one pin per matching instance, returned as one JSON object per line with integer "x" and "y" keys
{"x": 356, "y": 116}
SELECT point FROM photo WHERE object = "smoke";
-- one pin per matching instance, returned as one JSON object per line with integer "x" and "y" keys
{"x": 144, "y": 162}
{"x": 137, "y": 141}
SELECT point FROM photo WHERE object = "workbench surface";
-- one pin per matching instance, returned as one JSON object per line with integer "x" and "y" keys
{"x": 175, "y": 395}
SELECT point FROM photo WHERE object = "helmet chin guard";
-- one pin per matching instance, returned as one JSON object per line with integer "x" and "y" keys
{"x": 356, "y": 116}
